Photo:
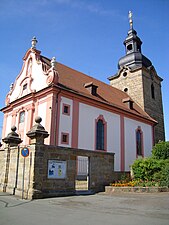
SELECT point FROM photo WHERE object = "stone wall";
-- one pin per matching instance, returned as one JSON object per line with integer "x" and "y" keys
{"x": 138, "y": 82}
{"x": 154, "y": 107}
{"x": 33, "y": 171}
{"x": 19, "y": 176}
{"x": 133, "y": 82}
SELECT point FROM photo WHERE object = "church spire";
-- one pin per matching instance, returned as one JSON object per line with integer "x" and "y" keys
{"x": 132, "y": 42}
{"x": 133, "y": 57}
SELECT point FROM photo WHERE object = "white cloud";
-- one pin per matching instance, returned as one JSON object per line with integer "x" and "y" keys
{"x": 42, "y": 8}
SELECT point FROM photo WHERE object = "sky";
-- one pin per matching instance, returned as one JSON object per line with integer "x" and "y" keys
{"x": 86, "y": 35}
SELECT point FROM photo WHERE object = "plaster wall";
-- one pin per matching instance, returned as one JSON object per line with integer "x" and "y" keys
{"x": 42, "y": 112}
{"x": 87, "y": 130}
{"x": 36, "y": 79}
{"x": 17, "y": 87}
{"x": 130, "y": 127}
{"x": 65, "y": 125}
{"x": 8, "y": 125}
{"x": 39, "y": 78}
{"x": 13, "y": 120}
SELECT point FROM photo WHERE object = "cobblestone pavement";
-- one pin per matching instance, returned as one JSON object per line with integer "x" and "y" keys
{"x": 98, "y": 209}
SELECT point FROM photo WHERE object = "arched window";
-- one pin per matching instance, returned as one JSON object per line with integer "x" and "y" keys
{"x": 129, "y": 47}
{"x": 21, "y": 117}
{"x": 152, "y": 91}
{"x": 139, "y": 142}
{"x": 101, "y": 133}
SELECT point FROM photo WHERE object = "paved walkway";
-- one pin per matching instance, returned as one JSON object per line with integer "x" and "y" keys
{"x": 99, "y": 209}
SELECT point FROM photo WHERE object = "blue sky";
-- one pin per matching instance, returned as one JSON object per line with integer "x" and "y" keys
{"x": 85, "y": 35}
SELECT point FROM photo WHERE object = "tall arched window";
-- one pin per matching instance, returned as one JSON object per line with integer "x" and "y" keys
{"x": 139, "y": 142}
{"x": 21, "y": 117}
{"x": 101, "y": 133}
{"x": 152, "y": 91}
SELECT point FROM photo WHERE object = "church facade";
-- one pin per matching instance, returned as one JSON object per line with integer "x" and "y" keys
{"x": 81, "y": 112}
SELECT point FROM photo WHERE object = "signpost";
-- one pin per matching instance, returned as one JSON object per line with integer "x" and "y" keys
{"x": 24, "y": 153}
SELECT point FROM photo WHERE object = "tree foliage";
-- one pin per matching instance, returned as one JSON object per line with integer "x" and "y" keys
{"x": 161, "y": 150}
{"x": 155, "y": 168}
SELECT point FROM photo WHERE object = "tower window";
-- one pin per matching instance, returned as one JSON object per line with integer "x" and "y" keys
{"x": 129, "y": 47}
{"x": 125, "y": 89}
{"x": 152, "y": 91}
{"x": 124, "y": 74}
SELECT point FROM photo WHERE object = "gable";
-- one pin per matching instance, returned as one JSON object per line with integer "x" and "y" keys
{"x": 30, "y": 79}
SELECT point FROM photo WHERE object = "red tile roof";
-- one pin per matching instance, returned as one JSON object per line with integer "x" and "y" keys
{"x": 75, "y": 80}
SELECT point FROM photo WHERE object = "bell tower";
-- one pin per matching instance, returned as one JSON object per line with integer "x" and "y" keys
{"x": 137, "y": 76}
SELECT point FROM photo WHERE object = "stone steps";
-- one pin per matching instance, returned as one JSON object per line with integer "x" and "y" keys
{"x": 81, "y": 185}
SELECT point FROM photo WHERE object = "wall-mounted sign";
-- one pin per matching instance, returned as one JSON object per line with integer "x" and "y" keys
{"x": 25, "y": 152}
{"x": 56, "y": 169}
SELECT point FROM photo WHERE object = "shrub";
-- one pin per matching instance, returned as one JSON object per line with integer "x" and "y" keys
{"x": 161, "y": 150}
{"x": 162, "y": 177}
{"x": 144, "y": 169}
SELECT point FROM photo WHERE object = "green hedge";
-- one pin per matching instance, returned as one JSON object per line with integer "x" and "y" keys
{"x": 155, "y": 168}
{"x": 161, "y": 150}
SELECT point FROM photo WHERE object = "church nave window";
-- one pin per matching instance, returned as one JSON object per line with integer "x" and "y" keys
{"x": 139, "y": 142}
{"x": 22, "y": 117}
{"x": 101, "y": 130}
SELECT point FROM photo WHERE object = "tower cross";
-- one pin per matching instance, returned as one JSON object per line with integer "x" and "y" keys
{"x": 130, "y": 19}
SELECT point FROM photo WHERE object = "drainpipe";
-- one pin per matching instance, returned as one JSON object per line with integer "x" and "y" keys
{"x": 57, "y": 114}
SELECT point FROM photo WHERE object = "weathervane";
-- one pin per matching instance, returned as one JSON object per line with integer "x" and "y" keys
{"x": 130, "y": 19}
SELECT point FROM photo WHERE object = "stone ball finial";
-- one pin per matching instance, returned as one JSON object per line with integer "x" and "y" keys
{"x": 37, "y": 133}
{"x": 34, "y": 42}
{"x": 38, "y": 119}
{"x": 12, "y": 138}
{"x": 13, "y": 128}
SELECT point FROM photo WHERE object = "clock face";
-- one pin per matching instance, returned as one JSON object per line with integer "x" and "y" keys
{"x": 25, "y": 152}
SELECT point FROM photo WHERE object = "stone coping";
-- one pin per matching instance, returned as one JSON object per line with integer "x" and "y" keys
{"x": 111, "y": 190}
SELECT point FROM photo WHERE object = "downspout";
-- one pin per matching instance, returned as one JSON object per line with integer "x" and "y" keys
{"x": 56, "y": 117}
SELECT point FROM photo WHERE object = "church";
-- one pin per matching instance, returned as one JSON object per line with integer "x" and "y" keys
{"x": 78, "y": 111}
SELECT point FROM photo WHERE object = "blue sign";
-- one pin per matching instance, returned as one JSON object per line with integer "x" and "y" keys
{"x": 25, "y": 152}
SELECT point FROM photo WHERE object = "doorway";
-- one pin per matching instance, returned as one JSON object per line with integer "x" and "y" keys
{"x": 82, "y": 173}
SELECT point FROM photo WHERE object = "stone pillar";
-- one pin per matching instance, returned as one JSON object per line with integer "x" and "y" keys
{"x": 37, "y": 134}
{"x": 12, "y": 140}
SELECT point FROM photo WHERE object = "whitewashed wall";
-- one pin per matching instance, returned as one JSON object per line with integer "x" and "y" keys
{"x": 65, "y": 124}
{"x": 8, "y": 125}
{"x": 38, "y": 78}
{"x": 130, "y": 127}
{"x": 87, "y": 132}
{"x": 42, "y": 112}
